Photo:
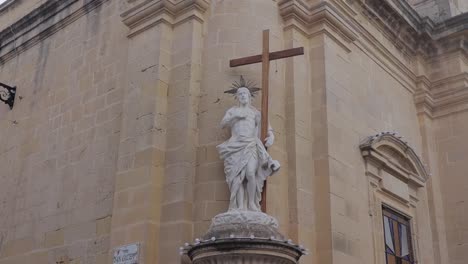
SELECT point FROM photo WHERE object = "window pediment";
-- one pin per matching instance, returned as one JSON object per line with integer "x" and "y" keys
{"x": 388, "y": 152}
{"x": 397, "y": 158}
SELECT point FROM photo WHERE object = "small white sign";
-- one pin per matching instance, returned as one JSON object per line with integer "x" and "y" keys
{"x": 128, "y": 254}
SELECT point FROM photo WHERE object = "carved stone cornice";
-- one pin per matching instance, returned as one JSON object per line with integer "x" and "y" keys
{"x": 42, "y": 22}
{"x": 422, "y": 96}
{"x": 395, "y": 18}
{"x": 444, "y": 96}
{"x": 311, "y": 20}
{"x": 428, "y": 37}
{"x": 413, "y": 37}
{"x": 437, "y": 42}
{"x": 147, "y": 13}
{"x": 451, "y": 25}
{"x": 5, "y": 5}
{"x": 338, "y": 21}
{"x": 410, "y": 33}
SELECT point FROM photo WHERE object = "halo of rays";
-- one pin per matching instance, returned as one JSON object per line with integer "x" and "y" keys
{"x": 250, "y": 85}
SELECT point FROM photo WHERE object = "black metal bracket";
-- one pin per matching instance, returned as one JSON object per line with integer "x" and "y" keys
{"x": 7, "y": 94}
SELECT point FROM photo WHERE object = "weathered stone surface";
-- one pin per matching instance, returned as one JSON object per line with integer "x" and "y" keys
{"x": 242, "y": 237}
{"x": 243, "y": 251}
{"x": 243, "y": 224}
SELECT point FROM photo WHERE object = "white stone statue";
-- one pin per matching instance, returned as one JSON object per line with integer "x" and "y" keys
{"x": 246, "y": 162}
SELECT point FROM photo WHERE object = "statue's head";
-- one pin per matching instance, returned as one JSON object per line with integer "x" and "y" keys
{"x": 244, "y": 91}
{"x": 243, "y": 96}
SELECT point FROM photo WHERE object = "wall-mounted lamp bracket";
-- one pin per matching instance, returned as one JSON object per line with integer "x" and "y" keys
{"x": 7, "y": 94}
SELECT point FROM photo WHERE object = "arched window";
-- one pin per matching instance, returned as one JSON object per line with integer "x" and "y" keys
{"x": 395, "y": 174}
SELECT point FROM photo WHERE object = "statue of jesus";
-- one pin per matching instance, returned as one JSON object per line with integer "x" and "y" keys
{"x": 246, "y": 161}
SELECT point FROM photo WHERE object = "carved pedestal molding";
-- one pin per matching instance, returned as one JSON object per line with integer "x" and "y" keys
{"x": 243, "y": 237}
{"x": 243, "y": 251}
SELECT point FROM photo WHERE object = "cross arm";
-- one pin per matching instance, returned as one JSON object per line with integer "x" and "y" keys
{"x": 273, "y": 56}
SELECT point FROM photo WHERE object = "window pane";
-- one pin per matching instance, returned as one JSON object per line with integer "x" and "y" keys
{"x": 396, "y": 237}
{"x": 404, "y": 240}
{"x": 397, "y": 233}
{"x": 391, "y": 259}
{"x": 388, "y": 234}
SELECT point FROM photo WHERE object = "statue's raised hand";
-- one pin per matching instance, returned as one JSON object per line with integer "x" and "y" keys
{"x": 270, "y": 139}
{"x": 269, "y": 142}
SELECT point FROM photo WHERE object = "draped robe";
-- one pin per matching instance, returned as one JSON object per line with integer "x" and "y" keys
{"x": 237, "y": 152}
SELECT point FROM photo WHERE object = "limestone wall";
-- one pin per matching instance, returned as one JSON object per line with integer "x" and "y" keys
{"x": 450, "y": 132}
{"x": 59, "y": 144}
{"x": 361, "y": 101}
{"x": 365, "y": 97}
{"x": 113, "y": 139}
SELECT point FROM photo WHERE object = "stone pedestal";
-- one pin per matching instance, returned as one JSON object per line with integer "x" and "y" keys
{"x": 244, "y": 250}
{"x": 239, "y": 237}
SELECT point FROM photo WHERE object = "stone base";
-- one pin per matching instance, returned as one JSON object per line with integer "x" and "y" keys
{"x": 239, "y": 237}
{"x": 243, "y": 224}
{"x": 243, "y": 251}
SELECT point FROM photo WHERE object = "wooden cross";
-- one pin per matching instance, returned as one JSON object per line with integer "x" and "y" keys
{"x": 265, "y": 59}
